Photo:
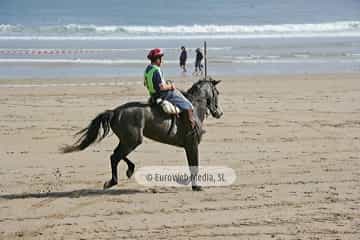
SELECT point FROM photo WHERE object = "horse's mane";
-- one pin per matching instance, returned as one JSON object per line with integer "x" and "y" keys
{"x": 192, "y": 92}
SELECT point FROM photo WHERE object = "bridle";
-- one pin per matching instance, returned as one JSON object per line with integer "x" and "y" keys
{"x": 211, "y": 104}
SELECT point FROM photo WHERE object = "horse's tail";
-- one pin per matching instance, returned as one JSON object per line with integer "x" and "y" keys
{"x": 90, "y": 134}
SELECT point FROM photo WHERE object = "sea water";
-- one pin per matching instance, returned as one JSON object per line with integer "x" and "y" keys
{"x": 50, "y": 39}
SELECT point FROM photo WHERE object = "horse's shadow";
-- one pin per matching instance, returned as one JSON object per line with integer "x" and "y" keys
{"x": 71, "y": 194}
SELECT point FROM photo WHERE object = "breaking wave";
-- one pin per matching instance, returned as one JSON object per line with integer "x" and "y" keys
{"x": 134, "y": 30}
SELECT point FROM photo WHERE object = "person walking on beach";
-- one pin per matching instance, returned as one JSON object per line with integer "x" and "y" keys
{"x": 198, "y": 66}
{"x": 159, "y": 88}
{"x": 183, "y": 58}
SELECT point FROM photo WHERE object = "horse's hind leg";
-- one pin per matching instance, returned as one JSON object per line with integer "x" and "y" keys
{"x": 114, "y": 160}
{"x": 122, "y": 150}
{"x": 131, "y": 167}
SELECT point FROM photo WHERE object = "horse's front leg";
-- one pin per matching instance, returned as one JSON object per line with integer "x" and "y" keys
{"x": 192, "y": 154}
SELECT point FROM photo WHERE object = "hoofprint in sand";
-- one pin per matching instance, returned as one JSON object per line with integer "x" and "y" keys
{"x": 293, "y": 142}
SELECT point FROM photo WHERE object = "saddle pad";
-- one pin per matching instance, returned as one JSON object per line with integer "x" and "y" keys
{"x": 168, "y": 107}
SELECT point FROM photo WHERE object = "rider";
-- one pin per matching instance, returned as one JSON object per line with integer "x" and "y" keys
{"x": 158, "y": 88}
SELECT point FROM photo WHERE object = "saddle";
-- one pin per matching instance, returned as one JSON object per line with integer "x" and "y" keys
{"x": 168, "y": 108}
{"x": 165, "y": 105}
{"x": 173, "y": 111}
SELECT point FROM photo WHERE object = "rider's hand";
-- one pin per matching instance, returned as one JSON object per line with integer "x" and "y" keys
{"x": 172, "y": 86}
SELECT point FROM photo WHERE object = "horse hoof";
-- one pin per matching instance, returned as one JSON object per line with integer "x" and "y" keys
{"x": 109, "y": 184}
{"x": 197, "y": 188}
{"x": 129, "y": 172}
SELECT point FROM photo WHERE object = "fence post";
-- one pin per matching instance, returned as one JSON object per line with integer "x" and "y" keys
{"x": 205, "y": 59}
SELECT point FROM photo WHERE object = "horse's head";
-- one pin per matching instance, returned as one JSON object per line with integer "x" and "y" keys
{"x": 213, "y": 99}
{"x": 206, "y": 89}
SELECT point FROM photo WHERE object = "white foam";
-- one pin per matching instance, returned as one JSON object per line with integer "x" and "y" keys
{"x": 292, "y": 61}
{"x": 173, "y": 37}
{"x": 124, "y": 32}
{"x": 298, "y": 55}
{"x": 279, "y": 28}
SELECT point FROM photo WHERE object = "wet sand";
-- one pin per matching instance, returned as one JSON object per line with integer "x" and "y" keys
{"x": 293, "y": 141}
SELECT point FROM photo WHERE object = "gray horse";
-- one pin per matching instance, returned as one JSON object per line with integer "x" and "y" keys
{"x": 134, "y": 120}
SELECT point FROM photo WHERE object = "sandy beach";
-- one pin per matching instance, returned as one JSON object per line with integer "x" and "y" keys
{"x": 293, "y": 141}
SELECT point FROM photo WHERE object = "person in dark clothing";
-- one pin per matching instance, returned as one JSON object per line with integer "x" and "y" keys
{"x": 198, "y": 66}
{"x": 183, "y": 58}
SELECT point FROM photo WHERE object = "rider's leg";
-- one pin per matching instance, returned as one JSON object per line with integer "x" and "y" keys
{"x": 189, "y": 119}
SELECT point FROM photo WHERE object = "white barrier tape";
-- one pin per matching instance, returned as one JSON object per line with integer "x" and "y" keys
{"x": 25, "y": 51}
{"x": 90, "y": 84}
{"x": 45, "y": 52}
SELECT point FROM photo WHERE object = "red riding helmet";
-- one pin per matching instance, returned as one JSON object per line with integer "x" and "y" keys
{"x": 154, "y": 53}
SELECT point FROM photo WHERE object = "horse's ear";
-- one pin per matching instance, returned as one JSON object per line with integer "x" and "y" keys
{"x": 216, "y": 82}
